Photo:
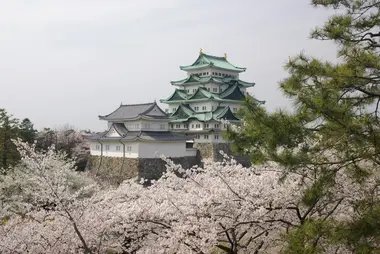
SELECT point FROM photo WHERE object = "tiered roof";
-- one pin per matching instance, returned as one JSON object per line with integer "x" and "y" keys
{"x": 205, "y": 61}
{"x": 149, "y": 111}
{"x": 194, "y": 79}
{"x": 184, "y": 113}
{"x": 232, "y": 94}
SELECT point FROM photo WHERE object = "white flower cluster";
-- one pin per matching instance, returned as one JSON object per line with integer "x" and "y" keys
{"x": 46, "y": 207}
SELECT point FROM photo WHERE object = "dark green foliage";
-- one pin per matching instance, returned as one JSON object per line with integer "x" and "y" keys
{"x": 334, "y": 126}
{"x": 8, "y": 131}
{"x": 27, "y": 131}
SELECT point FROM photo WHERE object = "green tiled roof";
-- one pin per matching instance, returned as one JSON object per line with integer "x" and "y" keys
{"x": 190, "y": 79}
{"x": 184, "y": 113}
{"x": 232, "y": 93}
{"x": 239, "y": 82}
{"x": 227, "y": 114}
{"x": 211, "y": 79}
{"x": 205, "y": 61}
{"x": 178, "y": 95}
{"x": 202, "y": 93}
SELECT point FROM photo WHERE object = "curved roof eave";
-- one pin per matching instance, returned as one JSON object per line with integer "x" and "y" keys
{"x": 205, "y": 99}
{"x": 203, "y": 66}
{"x": 171, "y": 96}
{"x": 136, "y": 118}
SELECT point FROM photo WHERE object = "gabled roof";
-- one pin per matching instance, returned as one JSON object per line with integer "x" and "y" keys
{"x": 120, "y": 128}
{"x": 135, "y": 111}
{"x": 233, "y": 93}
{"x": 205, "y": 61}
{"x": 189, "y": 79}
{"x": 202, "y": 93}
{"x": 184, "y": 113}
{"x": 225, "y": 113}
{"x": 178, "y": 95}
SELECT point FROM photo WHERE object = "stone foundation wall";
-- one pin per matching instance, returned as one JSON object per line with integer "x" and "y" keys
{"x": 212, "y": 151}
{"x": 113, "y": 169}
{"x": 155, "y": 167}
{"x": 116, "y": 169}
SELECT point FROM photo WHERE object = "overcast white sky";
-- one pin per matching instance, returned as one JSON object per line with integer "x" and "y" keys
{"x": 68, "y": 61}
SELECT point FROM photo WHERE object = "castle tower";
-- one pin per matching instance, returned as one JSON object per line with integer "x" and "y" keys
{"x": 211, "y": 92}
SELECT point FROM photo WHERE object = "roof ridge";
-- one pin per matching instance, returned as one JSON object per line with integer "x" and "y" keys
{"x": 176, "y": 91}
{"x": 218, "y": 57}
{"x": 137, "y": 104}
{"x": 149, "y": 109}
{"x": 116, "y": 126}
{"x": 184, "y": 107}
{"x": 230, "y": 91}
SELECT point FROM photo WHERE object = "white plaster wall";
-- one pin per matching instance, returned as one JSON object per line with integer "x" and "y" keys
{"x": 192, "y": 88}
{"x": 199, "y": 71}
{"x": 93, "y": 150}
{"x": 193, "y": 124}
{"x": 211, "y": 70}
{"x": 208, "y": 105}
{"x": 131, "y": 125}
{"x": 211, "y": 86}
{"x": 172, "y": 107}
{"x": 153, "y": 125}
{"x": 235, "y": 74}
{"x": 182, "y": 126}
{"x": 156, "y": 149}
{"x": 134, "y": 153}
{"x": 191, "y": 151}
{"x": 211, "y": 138}
{"x": 213, "y": 125}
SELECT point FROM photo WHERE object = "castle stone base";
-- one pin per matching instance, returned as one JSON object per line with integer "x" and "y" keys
{"x": 212, "y": 151}
{"x": 116, "y": 169}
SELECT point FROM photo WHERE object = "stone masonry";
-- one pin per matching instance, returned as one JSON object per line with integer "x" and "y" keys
{"x": 116, "y": 169}
{"x": 212, "y": 151}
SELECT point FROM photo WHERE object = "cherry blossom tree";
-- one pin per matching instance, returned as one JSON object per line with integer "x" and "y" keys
{"x": 47, "y": 207}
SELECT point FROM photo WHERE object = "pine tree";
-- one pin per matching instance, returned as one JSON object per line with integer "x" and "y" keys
{"x": 27, "y": 131}
{"x": 8, "y": 131}
{"x": 334, "y": 126}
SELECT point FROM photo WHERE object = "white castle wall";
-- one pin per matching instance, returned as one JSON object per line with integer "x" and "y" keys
{"x": 145, "y": 125}
{"x": 168, "y": 149}
{"x": 142, "y": 149}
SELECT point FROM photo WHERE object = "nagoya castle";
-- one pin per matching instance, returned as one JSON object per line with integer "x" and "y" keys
{"x": 211, "y": 92}
{"x": 189, "y": 131}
